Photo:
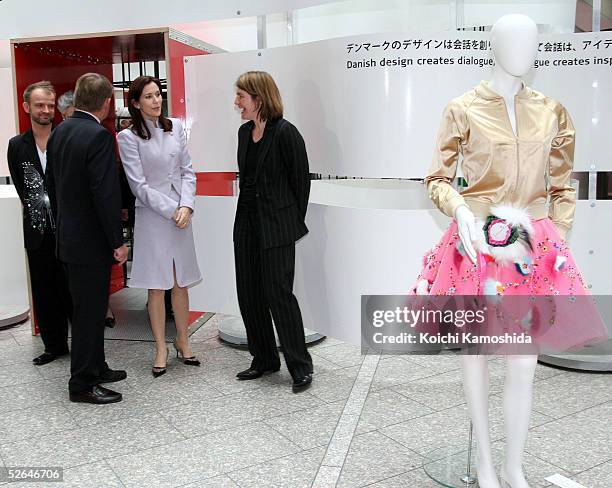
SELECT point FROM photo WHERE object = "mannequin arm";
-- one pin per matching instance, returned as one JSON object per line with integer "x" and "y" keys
{"x": 562, "y": 195}
{"x": 466, "y": 224}
{"x": 444, "y": 166}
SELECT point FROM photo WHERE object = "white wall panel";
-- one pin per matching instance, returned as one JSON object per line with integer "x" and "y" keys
{"x": 13, "y": 279}
{"x": 7, "y": 121}
{"x": 277, "y": 33}
{"x": 213, "y": 222}
{"x": 382, "y": 121}
{"x": 238, "y": 34}
{"x": 352, "y": 252}
{"x": 77, "y": 16}
{"x": 375, "y": 194}
{"x": 590, "y": 243}
{"x": 358, "y": 17}
{"x": 551, "y": 15}
{"x": 5, "y": 54}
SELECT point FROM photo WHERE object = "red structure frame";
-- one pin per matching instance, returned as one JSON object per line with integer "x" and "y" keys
{"x": 61, "y": 60}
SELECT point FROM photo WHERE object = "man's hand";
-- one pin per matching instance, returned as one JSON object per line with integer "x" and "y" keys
{"x": 182, "y": 217}
{"x": 466, "y": 224}
{"x": 121, "y": 254}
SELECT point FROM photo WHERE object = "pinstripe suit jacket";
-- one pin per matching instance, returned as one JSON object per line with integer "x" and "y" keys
{"x": 282, "y": 182}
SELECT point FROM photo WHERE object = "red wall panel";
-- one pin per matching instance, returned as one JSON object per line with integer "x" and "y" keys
{"x": 208, "y": 183}
{"x": 176, "y": 72}
{"x": 62, "y": 62}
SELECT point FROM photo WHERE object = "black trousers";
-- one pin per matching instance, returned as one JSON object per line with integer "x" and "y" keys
{"x": 89, "y": 290}
{"x": 264, "y": 281}
{"x": 52, "y": 303}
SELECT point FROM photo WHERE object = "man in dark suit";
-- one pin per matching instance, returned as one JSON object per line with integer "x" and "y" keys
{"x": 27, "y": 159}
{"x": 85, "y": 196}
{"x": 274, "y": 190}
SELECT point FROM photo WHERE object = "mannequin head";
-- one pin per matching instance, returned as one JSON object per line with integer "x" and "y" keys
{"x": 514, "y": 40}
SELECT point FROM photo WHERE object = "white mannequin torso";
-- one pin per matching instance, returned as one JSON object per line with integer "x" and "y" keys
{"x": 507, "y": 87}
{"x": 514, "y": 40}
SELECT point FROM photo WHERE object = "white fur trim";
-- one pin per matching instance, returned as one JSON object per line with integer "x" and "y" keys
{"x": 560, "y": 262}
{"x": 422, "y": 287}
{"x": 514, "y": 252}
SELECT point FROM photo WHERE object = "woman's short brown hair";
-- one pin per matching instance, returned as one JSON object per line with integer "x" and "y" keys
{"x": 261, "y": 85}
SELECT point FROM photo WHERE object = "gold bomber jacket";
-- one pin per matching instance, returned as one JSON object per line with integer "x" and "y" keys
{"x": 528, "y": 169}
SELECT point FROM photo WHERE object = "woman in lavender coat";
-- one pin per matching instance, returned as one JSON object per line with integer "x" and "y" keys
{"x": 158, "y": 168}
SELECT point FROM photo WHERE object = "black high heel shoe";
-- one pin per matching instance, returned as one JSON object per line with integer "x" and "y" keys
{"x": 157, "y": 371}
{"x": 190, "y": 361}
{"x": 110, "y": 322}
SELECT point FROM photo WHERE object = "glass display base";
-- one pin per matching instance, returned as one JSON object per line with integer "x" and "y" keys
{"x": 448, "y": 467}
{"x": 232, "y": 331}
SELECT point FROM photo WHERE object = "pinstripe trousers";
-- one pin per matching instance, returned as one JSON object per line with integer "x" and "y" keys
{"x": 264, "y": 282}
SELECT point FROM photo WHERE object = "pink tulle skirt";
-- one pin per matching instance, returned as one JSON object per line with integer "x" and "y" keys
{"x": 543, "y": 294}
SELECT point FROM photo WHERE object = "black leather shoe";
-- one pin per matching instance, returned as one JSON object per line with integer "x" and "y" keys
{"x": 302, "y": 383}
{"x": 98, "y": 395}
{"x": 253, "y": 374}
{"x": 47, "y": 357}
{"x": 112, "y": 375}
{"x": 110, "y": 322}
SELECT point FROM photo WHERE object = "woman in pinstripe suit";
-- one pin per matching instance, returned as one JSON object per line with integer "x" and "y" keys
{"x": 274, "y": 189}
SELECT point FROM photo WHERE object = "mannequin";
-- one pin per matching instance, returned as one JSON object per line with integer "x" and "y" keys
{"x": 514, "y": 40}
{"x": 509, "y": 228}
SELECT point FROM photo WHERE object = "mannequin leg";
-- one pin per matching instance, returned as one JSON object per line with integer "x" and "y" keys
{"x": 518, "y": 398}
{"x": 476, "y": 385}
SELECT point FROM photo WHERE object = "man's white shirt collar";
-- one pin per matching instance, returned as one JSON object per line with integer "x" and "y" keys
{"x": 88, "y": 113}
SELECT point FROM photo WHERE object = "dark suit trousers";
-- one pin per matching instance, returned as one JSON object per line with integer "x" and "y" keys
{"x": 89, "y": 289}
{"x": 52, "y": 303}
{"x": 264, "y": 280}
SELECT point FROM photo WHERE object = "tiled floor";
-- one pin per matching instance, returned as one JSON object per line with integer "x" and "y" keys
{"x": 365, "y": 422}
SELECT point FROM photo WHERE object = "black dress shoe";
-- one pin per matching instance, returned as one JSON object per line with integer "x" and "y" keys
{"x": 252, "y": 373}
{"x": 110, "y": 322}
{"x": 112, "y": 375}
{"x": 47, "y": 357}
{"x": 301, "y": 383}
{"x": 98, "y": 395}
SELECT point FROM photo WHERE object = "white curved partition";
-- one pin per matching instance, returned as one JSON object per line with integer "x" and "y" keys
{"x": 212, "y": 222}
{"x": 7, "y": 122}
{"x": 366, "y": 109}
{"x": 370, "y": 193}
{"x": 14, "y": 299}
{"x": 366, "y": 237}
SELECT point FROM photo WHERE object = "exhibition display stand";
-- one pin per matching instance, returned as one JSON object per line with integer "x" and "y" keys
{"x": 120, "y": 56}
{"x": 453, "y": 466}
{"x": 14, "y": 304}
